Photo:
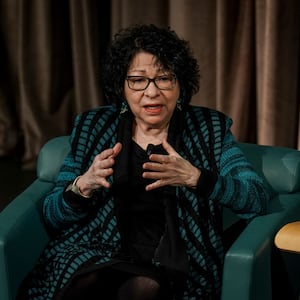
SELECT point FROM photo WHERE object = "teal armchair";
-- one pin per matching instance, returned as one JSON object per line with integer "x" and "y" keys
{"x": 248, "y": 262}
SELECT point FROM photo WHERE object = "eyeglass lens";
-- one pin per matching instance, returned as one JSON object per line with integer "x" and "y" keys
{"x": 140, "y": 83}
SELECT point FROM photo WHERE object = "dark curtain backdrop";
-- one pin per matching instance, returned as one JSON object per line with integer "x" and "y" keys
{"x": 51, "y": 51}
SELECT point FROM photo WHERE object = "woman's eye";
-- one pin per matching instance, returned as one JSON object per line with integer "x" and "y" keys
{"x": 163, "y": 78}
{"x": 138, "y": 80}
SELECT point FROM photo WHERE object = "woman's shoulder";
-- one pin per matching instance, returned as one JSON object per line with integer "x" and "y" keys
{"x": 205, "y": 113}
{"x": 90, "y": 124}
{"x": 100, "y": 110}
{"x": 101, "y": 114}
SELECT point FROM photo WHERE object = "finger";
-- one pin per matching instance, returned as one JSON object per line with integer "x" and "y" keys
{"x": 102, "y": 163}
{"x": 111, "y": 152}
{"x": 103, "y": 173}
{"x": 107, "y": 153}
{"x": 152, "y": 186}
{"x": 160, "y": 158}
{"x": 157, "y": 184}
{"x": 165, "y": 160}
{"x": 117, "y": 149}
{"x": 155, "y": 166}
{"x": 104, "y": 183}
{"x": 170, "y": 150}
{"x": 154, "y": 175}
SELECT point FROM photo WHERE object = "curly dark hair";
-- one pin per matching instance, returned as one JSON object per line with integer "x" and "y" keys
{"x": 173, "y": 53}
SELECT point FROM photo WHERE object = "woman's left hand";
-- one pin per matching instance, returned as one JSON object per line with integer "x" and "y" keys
{"x": 170, "y": 169}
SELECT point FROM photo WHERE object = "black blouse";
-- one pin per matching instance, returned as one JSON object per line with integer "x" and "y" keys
{"x": 142, "y": 215}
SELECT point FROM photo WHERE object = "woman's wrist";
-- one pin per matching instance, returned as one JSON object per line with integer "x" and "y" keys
{"x": 194, "y": 178}
{"x": 74, "y": 196}
{"x": 74, "y": 187}
{"x": 82, "y": 191}
{"x": 206, "y": 182}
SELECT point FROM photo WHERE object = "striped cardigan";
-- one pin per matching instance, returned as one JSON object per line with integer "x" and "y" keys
{"x": 88, "y": 235}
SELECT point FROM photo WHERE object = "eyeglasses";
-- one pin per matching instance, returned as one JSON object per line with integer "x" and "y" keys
{"x": 140, "y": 83}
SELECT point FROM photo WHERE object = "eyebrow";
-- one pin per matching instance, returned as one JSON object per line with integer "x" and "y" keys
{"x": 160, "y": 69}
{"x": 137, "y": 70}
{"x": 143, "y": 72}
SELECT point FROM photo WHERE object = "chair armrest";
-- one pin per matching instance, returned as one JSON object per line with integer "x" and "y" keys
{"x": 247, "y": 265}
{"x": 22, "y": 237}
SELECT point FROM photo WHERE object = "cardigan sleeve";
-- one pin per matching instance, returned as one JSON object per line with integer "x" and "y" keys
{"x": 237, "y": 185}
{"x": 61, "y": 211}
{"x": 58, "y": 211}
{"x": 93, "y": 132}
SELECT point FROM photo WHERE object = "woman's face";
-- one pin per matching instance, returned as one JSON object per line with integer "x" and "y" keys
{"x": 152, "y": 107}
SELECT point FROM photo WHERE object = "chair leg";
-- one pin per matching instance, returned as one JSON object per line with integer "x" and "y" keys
{"x": 292, "y": 263}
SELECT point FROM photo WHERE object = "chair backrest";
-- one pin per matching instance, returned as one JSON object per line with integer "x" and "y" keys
{"x": 51, "y": 158}
{"x": 280, "y": 166}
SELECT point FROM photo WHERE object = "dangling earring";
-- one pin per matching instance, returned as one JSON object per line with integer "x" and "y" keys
{"x": 179, "y": 104}
{"x": 124, "y": 107}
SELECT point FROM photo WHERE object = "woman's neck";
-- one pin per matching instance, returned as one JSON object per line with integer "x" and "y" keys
{"x": 144, "y": 135}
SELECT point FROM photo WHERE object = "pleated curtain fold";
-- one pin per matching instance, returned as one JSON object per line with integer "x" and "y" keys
{"x": 51, "y": 52}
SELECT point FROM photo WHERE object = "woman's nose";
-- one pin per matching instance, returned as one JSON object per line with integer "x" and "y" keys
{"x": 152, "y": 90}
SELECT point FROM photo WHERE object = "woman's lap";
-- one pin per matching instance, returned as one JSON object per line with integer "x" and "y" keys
{"x": 105, "y": 282}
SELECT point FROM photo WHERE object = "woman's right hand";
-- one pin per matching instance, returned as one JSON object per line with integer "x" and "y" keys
{"x": 100, "y": 169}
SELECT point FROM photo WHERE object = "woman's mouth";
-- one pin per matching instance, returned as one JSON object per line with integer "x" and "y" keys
{"x": 153, "y": 109}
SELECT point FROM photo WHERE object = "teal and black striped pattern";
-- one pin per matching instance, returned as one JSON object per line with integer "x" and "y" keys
{"x": 89, "y": 236}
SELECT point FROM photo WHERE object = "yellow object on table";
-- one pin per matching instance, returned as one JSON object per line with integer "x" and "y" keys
{"x": 288, "y": 237}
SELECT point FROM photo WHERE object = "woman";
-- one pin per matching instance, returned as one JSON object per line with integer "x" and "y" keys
{"x": 136, "y": 210}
